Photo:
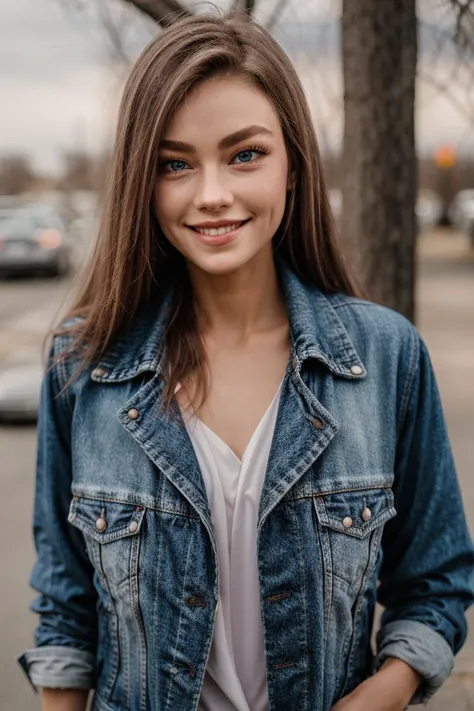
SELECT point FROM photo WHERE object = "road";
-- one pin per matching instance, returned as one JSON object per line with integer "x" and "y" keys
{"x": 446, "y": 321}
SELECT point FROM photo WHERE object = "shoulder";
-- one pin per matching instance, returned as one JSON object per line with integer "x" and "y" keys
{"x": 383, "y": 338}
{"x": 367, "y": 320}
{"x": 64, "y": 356}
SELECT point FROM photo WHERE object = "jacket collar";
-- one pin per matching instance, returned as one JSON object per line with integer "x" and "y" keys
{"x": 316, "y": 332}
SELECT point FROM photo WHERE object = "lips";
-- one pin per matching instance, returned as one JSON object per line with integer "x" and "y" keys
{"x": 219, "y": 237}
{"x": 220, "y": 229}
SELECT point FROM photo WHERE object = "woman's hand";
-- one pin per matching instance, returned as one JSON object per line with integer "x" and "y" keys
{"x": 390, "y": 689}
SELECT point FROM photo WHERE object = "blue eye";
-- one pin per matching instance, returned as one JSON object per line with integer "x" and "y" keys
{"x": 175, "y": 165}
{"x": 248, "y": 155}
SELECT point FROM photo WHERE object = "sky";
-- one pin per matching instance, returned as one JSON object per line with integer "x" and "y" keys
{"x": 59, "y": 90}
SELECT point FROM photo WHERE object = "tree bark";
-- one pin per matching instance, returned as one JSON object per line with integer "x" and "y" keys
{"x": 379, "y": 45}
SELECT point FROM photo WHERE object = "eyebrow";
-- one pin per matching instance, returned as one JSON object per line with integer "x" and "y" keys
{"x": 226, "y": 142}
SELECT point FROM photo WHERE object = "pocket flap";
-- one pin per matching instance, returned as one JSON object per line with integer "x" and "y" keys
{"x": 105, "y": 521}
{"x": 355, "y": 513}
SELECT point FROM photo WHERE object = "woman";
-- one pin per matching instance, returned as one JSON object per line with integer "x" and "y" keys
{"x": 229, "y": 437}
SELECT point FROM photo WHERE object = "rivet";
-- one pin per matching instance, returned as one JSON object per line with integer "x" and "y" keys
{"x": 133, "y": 527}
{"x": 356, "y": 370}
{"x": 317, "y": 423}
{"x": 133, "y": 414}
{"x": 347, "y": 522}
{"x": 99, "y": 372}
{"x": 72, "y": 517}
{"x": 366, "y": 514}
{"x": 101, "y": 524}
{"x": 195, "y": 601}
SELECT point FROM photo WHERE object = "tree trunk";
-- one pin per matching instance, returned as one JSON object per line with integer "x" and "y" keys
{"x": 379, "y": 44}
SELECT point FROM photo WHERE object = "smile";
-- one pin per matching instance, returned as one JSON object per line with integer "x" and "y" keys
{"x": 215, "y": 231}
{"x": 219, "y": 236}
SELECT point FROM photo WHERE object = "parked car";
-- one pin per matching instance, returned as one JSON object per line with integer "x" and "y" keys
{"x": 33, "y": 239}
{"x": 20, "y": 388}
{"x": 335, "y": 201}
{"x": 461, "y": 212}
{"x": 428, "y": 207}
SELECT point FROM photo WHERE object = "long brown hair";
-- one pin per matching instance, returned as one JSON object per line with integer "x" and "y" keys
{"x": 133, "y": 262}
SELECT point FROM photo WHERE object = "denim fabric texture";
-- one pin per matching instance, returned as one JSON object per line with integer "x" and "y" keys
{"x": 360, "y": 503}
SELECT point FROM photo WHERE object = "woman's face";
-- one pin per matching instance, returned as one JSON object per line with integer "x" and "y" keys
{"x": 211, "y": 178}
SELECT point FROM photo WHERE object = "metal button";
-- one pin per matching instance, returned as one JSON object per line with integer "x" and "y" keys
{"x": 356, "y": 370}
{"x": 195, "y": 601}
{"x": 99, "y": 372}
{"x": 133, "y": 527}
{"x": 101, "y": 524}
{"x": 133, "y": 414}
{"x": 317, "y": 423}
{"x": 366, "y": 514}
{"x": 347, "y": 523}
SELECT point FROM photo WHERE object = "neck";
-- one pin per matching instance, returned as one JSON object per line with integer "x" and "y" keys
{"x": 237, "y": 305}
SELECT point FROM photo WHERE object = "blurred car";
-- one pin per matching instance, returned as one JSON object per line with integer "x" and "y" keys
{"x": 33, "y": 239}
{"x": 20, "y": 388}
{"x": 428, "y": 209}
{"x": 335, "y": 201}
{"x": 461, "y": 212}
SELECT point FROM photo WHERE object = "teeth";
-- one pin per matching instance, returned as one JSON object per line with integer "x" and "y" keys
{"x": 218, "y": 230}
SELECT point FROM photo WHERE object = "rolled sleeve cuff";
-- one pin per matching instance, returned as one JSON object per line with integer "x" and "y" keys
{"x": 425, "y": 650}
{"x": 58, "y": 667}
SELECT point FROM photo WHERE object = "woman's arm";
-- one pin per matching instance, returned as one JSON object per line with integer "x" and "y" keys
{"x": 428, "y": 559}
{"x": 64, "y": 700}
{"x": 66, "y": 636}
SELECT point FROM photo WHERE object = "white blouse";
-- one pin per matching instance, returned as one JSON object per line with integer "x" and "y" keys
{"x": 235, "y": 678}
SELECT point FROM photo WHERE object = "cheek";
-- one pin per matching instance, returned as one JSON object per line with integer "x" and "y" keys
{"x": 271, "y": 194}
{"x": 166, "y": 207}
{"x": 172, "y": 200}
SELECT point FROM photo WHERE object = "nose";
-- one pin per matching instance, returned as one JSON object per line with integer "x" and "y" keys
{"x": 212, "y": 193}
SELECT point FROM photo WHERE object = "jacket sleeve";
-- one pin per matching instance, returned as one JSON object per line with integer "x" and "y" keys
{"x": 65, "y": 639}
{"x": 427, "y": 571}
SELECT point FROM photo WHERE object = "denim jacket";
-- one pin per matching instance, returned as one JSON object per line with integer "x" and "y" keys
{"x": 360, "y": 504}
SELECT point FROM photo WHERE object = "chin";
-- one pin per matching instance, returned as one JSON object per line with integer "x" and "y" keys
{"x": 221, "y": 264}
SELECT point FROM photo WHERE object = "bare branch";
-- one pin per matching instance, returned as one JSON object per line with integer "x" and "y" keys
{"x": 446, "y": 89}
{"x": 164, "y": 12}
{"x": 247, "y": 6}
{"x": 464, "y": 29}
{"x": 275, "y": 16}
{"x": 114, "y": 34}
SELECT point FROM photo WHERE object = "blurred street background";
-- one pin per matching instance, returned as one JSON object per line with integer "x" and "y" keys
{"x": 62, "y": 67}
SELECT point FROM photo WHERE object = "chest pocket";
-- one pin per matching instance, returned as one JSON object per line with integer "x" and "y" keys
{"x": 351, "y": 525}
{"x": 112, "y": 535}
